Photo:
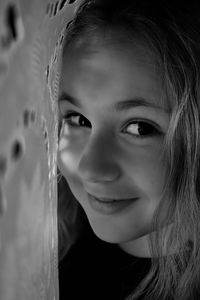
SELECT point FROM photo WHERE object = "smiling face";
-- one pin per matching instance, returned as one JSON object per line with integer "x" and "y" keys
{"x": 110, "y": 146}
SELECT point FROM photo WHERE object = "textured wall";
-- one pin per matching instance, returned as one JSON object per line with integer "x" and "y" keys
{"x": 31, "y": 34}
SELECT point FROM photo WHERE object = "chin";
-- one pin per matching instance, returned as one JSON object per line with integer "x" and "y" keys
{"x": 107, "y": 238}
{"x": 111, "y": 234}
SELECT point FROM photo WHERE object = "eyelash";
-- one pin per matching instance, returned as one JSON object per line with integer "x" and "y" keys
{"x": 67, "y": 119}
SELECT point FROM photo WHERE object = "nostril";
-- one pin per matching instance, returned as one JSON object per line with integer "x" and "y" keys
{"x": 96, "y": 170}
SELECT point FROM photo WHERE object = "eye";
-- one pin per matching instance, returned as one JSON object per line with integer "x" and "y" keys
{"x": 141, "y": 129}
{"x": 76, "y": 120}
{"x": 138, "y": 128}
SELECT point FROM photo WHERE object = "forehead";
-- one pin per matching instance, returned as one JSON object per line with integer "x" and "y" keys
{"x": 106, "y": 63}
{"x": 107, "y": 42}
{"x": 89, "y": 46}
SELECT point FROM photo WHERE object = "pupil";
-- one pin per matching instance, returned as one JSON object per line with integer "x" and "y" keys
{"x": 84, "y": 122}
{"x": 145, "y": 129}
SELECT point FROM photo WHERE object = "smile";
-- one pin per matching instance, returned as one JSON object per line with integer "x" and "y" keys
{"x": 109, "y": 206}
{"x": 108, "y": 200}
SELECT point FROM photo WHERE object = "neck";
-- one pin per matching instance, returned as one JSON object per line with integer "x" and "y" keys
{"x": 138, "y": 247}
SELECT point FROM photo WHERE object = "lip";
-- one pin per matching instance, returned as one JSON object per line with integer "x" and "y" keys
{"x": 107, "y": 200}
{"x": 109, "y": 206}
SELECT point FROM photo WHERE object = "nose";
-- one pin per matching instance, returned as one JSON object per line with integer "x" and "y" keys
{"x": 98, "y": 162}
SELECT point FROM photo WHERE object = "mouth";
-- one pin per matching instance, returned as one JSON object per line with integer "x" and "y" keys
{"x": 110, "y": 200}
{"x": 108, "y": 205}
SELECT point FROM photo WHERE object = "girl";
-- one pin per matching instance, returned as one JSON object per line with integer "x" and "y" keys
{"x": 129, "y": 151}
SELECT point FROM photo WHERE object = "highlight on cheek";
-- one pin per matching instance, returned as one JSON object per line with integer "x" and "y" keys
{"x": 68, "y": 161}
{"x": 66, "y": 157}
{"x": 63, "y": 144}
{"x": 66, "y": 129}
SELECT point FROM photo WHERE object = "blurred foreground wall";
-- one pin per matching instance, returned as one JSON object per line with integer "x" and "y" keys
{"x": 31, "y": 35}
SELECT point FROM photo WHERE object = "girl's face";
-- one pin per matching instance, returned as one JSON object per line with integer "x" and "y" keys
{"x": 111, "y": 98}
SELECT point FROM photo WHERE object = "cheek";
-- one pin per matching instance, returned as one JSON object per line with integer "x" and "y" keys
{"x": 67, "y": 164}
{"x": 67, "y": 154}
{"x": 148, "y": 172}
{"x": 67, "y": 158}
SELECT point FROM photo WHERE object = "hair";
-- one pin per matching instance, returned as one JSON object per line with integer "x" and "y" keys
{"x": 171, "y": 30}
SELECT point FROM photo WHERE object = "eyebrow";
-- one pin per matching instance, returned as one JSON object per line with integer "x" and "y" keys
{"x": 119, "y": 106}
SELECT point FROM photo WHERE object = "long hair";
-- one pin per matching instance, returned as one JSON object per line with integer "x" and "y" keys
{"x": 172, "y": 31}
